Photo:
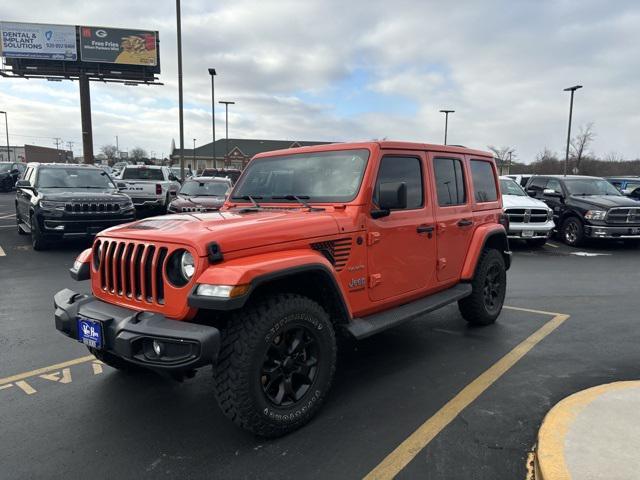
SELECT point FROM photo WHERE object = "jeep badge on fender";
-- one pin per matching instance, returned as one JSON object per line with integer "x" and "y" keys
{"x": 260, "y": 288}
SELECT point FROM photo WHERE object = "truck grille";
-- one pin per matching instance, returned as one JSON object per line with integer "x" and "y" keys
{"x": 91, "y": 207}
{"x": 624, "y": 216}
{"x": 336, "y": 251}
{"x": 131, "y": 270}
{"x": 526, "y": 215}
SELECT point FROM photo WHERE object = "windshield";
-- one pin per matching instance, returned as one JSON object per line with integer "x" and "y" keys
{"x": 73, "y": 177}
{"x": 509, "y": 187}
{"x": 204, "y": 189}
{"x": 317, "y": 176}
{"x": 176, "y": 171}
{"x": 142, "y": 174}
{"x": 5, "y": 167}
{"x": 590, "y": 186}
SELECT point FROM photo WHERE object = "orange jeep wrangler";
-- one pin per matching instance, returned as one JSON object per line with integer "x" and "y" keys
{"x": 312, "y": 241}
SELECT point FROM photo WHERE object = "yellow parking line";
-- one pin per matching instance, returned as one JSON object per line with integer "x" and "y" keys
{"x": 552, "y": 245}
{"x": 40, "y": 371}
{"x": 409, "y": 448}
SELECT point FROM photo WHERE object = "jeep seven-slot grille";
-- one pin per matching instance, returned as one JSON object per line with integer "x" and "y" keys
{"x": 526, "y": 215}
{"x": 336, "y": 251}
{"x": 625, "y": 216}
{"x": 91, "y": 207}
{"x": 132, "y": 270}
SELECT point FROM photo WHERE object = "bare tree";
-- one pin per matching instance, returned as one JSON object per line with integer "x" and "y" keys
{"x": 580, "y": 143}
{"x": 504, "y": 157}
{"x": 138, "y": 153}
{"x": 109, "y": 151}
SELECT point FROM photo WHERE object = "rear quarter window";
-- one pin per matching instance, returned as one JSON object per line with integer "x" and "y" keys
{"x": 484, "y": 181}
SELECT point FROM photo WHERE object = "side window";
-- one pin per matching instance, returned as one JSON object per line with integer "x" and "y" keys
{"x": 618, "y": 185}
{"x": 484, "y": 181}
{"x": 27, "y": 174}
{"x": 402, "y": 169}
{"x": 554, "y": 185}
{"x": 449, "y": 181}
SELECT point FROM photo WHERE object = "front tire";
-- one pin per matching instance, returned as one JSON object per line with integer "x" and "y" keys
{"x": 37, "y": 242}
{"x": 489, "y": 286}
{"x": 276, "y": 364}
{"x": 573, "y": 232}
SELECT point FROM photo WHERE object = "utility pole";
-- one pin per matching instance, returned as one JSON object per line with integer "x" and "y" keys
{"x": 70, "y": 145}
{"x": 446, "y": 122}
{"x": 566, "y": 156}
{"x": 117, "y": 149}
{"x": 58, "y": 140}
{"x": 226, "y": 123}
{"x": 212, "y": 72}
{"x": 85, "y": 116}
{"x": 6, "y": 124}
{"x": 180, "y": 100}
{"x": 194, "y": 155}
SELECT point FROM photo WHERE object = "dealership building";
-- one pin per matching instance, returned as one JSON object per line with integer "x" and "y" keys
{"x": 35, "y": 153}
{"x": 240, "y": 152}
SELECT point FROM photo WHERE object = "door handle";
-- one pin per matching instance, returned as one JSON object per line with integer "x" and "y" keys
{"x": 465, "y": 223}
{"x": 425, "y": 229}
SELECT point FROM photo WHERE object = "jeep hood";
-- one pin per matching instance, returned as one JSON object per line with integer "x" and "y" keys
{"x": 604, "y": 201}
{"x": 232, "y": 230}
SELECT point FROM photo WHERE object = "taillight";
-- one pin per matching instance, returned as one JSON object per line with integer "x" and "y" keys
{"x": 504, "y": 221}
{"x": 158, "y": 189}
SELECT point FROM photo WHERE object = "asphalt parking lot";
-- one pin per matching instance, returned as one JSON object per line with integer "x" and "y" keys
{"x": 431, "y": 399}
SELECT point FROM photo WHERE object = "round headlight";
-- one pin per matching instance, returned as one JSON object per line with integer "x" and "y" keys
{"x": 187, "y": 265}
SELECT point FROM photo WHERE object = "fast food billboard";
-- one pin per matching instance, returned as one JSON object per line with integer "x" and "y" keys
{"x": 118, "y": 45}
{"x": 38, "y": 41}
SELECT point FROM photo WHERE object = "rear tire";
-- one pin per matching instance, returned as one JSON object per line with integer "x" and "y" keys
{"x": 489, "y": 286}
{"x": 276, "y": 364}
{"x": 573, "y": 232}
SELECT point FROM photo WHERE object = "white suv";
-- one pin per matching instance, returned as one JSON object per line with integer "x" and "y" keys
{"x": 529, "y": 219}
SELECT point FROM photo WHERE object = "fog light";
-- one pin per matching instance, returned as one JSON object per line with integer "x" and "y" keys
{"x": 158, "y": 348}
{"x": 76, "y": 265}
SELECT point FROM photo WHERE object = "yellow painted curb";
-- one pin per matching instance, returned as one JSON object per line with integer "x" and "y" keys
{"x": 550, "y": 458}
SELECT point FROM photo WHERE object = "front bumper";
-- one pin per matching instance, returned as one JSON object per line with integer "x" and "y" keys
{"x": 57, "y": 226}
{"x": 529, "y": 231}
{"x": 129, "y": 334}
{"x": 598, "y": 231}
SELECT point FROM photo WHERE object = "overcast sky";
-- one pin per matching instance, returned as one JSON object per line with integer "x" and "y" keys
{"x": 353, "y": 70}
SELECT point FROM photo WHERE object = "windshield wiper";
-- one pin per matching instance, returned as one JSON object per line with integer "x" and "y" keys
{"x": 300, "y": 199}
{"x": 251, "y": 198}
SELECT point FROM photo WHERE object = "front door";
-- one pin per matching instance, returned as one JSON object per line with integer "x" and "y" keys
{"x": 454, "y": 217}
{"x": 401, "y": 246}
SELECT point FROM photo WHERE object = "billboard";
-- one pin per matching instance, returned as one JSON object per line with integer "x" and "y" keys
{"x": 38, "y": 41}
{"x": 118, "y": 45}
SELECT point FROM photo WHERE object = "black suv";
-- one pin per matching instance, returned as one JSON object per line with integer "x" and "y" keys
{"x": 9, "y": 174}
{"x": 57, "y": 201}
{"x": 587, "y": 207}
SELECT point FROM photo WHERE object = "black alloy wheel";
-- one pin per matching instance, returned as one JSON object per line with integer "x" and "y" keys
{"x": 290, "y": 366}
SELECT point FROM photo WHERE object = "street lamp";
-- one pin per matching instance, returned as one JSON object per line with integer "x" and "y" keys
{"x": 194, "y": 155}
{"x": 6, "y": 124}
{"x": 446, "y": 122}
{"x": 180, "y": 99}
{"x": 212, "y": 72}
{"x": 566, "y": 155}
{"x": 226, "y": 124}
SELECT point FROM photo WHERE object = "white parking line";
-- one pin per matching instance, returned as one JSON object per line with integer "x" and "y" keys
{"x": 8, "y": 226}
{"x": 2, "y": 254}
{"x": 7, "y": 215}
{"x": 552, "y": 245}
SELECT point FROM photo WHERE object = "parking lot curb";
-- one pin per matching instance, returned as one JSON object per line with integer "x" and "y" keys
{"x": 591, "y": 434}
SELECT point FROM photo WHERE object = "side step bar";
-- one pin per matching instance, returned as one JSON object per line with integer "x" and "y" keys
{"x": 366, "y": 326}
{"x": 25, "y": 228}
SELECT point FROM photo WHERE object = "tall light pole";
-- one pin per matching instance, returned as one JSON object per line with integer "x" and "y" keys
{"x": 226, "y": 123}
{"x": 6, "y": 125}
{"x": 212, "y": 72}
{"x": 446, "y": 122}
{"x": 566, "y": 155}
{"x": 194, "y": 155}
{"x": 180, "y": 102}
{"x": 117, "y": 149}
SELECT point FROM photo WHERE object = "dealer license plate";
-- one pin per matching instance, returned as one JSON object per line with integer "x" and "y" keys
{"x": 527, "y": 233}
{"x": 90, "y": 332}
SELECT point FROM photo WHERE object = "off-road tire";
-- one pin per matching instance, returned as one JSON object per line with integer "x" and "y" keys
{"x": 476, "y": 308}
{"x": 537, "y": 242}
{"x": 114, "y": 362}
{"x": 239, "y": 373}
{"x": 37, "y": 242}
{"x": 572, "y": 232}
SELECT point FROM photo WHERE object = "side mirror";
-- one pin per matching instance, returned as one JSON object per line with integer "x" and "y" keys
{"x": 173, "y": 178}
{"x": 532, "y": 192}
{"x": 549, "y": 192}
{"x": 391, "y": 196}
{"x": 121, "y": 186}
{"x": 15, "y": 171}
{"x": 24, "y": 184}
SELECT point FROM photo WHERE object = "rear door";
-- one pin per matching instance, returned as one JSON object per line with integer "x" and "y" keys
{"x": 453, "y": 213}
{"x": 401, "y": 246}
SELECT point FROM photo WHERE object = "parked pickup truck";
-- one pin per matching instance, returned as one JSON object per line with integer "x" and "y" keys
{"x": 149, "y": 186}
{"x": 349, "y": 238}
